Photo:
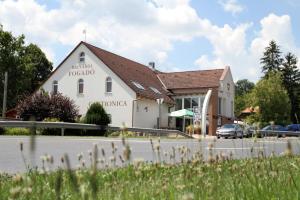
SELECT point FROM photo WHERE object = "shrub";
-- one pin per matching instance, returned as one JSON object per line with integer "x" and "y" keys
{"x": 41, "y": 105}
{"x": 96, "y": 115}
{"x": 17, "y": 131}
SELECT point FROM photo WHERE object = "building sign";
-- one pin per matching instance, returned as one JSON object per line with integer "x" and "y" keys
{"x": 113, "y": 103}
{"x": 82, "y": 70}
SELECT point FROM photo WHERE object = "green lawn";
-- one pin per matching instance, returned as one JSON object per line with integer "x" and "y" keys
{"x": 272, "y": 178}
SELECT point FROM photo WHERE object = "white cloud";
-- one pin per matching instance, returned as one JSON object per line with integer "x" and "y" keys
{"x": 231, "y": 6}
{"x": 145, "y": 31}
{"x": 230, "y": 47}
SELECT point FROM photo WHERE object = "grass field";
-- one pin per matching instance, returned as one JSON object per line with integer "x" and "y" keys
{"x": 219, "y": 178}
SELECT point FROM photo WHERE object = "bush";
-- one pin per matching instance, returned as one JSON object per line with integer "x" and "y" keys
{"x": 41, "y": 105}
{"x": 97, "y": 115}
{"x": 17, "y": 131}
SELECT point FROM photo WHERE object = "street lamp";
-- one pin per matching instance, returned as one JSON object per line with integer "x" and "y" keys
{"x": 159, "y": 101}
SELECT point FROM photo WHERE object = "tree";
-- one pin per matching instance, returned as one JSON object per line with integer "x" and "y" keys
{"x": 270, "y": 96}
{"x": 97, "y": 115}
{"x": 271, "y": 59}
{"x": 27, "y": 66}
{"x": 291, "y": 78}
{"x": 243, "y": 86}
{"x": 41, "y": 105}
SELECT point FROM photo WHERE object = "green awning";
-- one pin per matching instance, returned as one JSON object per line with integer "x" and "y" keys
{"x": 182, "y": 113}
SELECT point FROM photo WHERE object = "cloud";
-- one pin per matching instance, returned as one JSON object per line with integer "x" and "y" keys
{"x": 231, "y": 6}
{"x": 230, "y": 47}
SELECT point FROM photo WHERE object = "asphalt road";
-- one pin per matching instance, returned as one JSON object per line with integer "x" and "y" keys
{"x": 11, "y": 160}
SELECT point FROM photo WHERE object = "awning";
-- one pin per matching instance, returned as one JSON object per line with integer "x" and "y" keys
{"x": 182, "y": 113}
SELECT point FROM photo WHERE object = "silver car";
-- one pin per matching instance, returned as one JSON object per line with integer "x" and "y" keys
{"x": 230, "y": 130}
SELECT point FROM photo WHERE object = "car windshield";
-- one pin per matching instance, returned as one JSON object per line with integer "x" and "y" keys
{"x": 228, "y": 126}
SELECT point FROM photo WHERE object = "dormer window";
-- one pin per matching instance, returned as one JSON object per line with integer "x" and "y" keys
{"x": 55, "y": 87}
{"x": 138, "y": 85}
{"x": 82, "y": 57}
{"x": 155, "y": 90}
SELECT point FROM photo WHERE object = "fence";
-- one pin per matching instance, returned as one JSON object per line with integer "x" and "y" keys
{"x": 261, "y": 133}
{"x": 64, "y": 125}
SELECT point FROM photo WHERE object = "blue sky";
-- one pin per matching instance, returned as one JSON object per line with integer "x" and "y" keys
{"x": 177, "y": 34}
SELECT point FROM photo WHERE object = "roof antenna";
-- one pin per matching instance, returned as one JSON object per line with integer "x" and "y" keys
{"x": 84, "y": 32}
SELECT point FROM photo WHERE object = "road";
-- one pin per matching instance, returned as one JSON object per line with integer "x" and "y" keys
{"x": 11, "y": 160}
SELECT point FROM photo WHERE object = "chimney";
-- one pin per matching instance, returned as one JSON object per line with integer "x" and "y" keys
{"x": 152, "y": 65}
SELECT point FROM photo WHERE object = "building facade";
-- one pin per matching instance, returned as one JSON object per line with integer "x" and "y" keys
{"x": 136, "y": 95}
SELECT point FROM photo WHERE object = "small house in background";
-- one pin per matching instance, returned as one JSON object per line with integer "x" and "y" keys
{"x": 139, "y": 95}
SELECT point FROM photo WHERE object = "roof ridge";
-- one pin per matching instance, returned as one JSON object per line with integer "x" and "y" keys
{"x": 117, "y": 55}
{"x": 192, "y": 71}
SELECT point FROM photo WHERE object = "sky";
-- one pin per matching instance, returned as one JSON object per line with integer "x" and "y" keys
{"x": 178, "y": 35}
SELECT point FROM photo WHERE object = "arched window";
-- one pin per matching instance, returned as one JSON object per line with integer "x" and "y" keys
{"x": 108, "y": 85}
{"x": 82, "y": 57}
{"x": 55, "y": 87}
{"x": 80, "y": 86}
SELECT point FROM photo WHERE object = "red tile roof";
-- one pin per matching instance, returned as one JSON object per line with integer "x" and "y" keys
{"x": 130, "y": 71}
{"x": 191, "y": 79}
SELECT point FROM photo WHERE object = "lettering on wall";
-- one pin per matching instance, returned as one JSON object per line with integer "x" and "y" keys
{"x": 82, "y": 70}
{"x": 113, "y": 103}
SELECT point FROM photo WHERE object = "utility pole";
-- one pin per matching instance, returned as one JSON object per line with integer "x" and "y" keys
{"x": 4, "y": 95}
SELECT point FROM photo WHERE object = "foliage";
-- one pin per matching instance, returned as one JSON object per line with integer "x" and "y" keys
{"x": 197, "y": 129}
{"x": 271, "y": 60}
{"x": 97, "y": 115}
{"x": 272, "y": 99}
{"x": 243, "y": 87}
{"x": 17, "y": 131}
{"x": 41, "y": 105}
{"x": 291, "y": 82}
{"x": 219, "y": 178}
{"x": 27, "y": 66}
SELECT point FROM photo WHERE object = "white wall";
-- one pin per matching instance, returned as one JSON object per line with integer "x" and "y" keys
{"x": 227, "y": 95}
{"x": 94, "y": 87}
{"x": 146, "y": 113}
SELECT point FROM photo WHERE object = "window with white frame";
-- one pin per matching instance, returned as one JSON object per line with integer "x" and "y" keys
{"x": 80, "y": 86}
{"x": 108, "y": 85}
{"x": 55, "y": 87}
{"x": 138, "y": 85}
{"x": 81, "y": 57}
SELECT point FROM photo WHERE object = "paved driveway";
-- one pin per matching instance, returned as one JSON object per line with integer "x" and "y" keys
{"x": 11, "y": 158}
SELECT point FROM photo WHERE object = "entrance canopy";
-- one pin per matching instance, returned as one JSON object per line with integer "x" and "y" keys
{"x": 182, "y": 113}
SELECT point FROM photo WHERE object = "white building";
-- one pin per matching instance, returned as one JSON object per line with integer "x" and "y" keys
{"x": 129, "y": 90}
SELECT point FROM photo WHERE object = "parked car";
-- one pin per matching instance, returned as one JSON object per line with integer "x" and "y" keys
{"x": 293, "y": 127}
{"x": 230, "y": 130}
{"x": 272, "y": 130}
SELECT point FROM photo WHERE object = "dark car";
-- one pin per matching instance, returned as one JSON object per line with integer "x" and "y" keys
{"x": 230, "y": 130}
{"x": 293, "y": 127}
{"x": 272, "y": 130}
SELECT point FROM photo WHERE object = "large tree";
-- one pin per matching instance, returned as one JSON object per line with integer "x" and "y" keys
{"x": 291, "y": 79}
{"x": 242, "y": 89}
{"x": 243, "y": 86}
{"x": 27, "y": 66}
{"x": 271, "y": 60}
{"x": 271, "y": 97}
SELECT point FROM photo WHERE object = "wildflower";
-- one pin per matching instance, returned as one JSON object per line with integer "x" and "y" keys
{"x": 188, "y": 196}
{"x": 21, "y": 146}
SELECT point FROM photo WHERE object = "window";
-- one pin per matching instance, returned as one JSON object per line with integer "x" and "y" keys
{"x": 187, "y": 103}
{"x": 82, "y": 57}
{"x": 155, "y": 90}
{"x": 138, "y": 85}
{"x": 178, "y": 105}
{"x": 55, "y": 87}
{"x": 219, "y": 106}
{"x": 80, "y": 86}
{"x": 195, "y": 102}
{"x": 108, "y": 85}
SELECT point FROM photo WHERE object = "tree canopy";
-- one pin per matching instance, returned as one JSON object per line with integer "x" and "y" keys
{"x": 270, "y": 96}
{"x": 27, "y": 66}
{"x": 271, "y": 60}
